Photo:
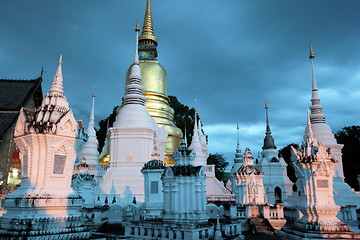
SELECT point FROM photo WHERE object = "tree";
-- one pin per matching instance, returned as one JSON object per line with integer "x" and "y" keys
{"x": 350, "y": 137}
{"x": 286, "y": 154}
{"x": 220, "y": 165}
{"x": 183, "y": 116}
{"x": 104, "y": 124}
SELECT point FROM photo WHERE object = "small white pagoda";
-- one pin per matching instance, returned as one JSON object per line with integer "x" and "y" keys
{"x": 45, "y": 206}
{"x": 344, "y": 194}
{"x": 184, "y": 189}
{"x": 276, "y": 182}
{"x": 249, "y": 187}
{"x": 314, "y": 168}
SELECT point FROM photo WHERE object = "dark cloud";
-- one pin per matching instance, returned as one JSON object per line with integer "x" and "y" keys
{"x": 229, "y": 55}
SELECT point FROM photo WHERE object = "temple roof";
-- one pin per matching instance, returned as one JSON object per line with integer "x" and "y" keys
{"x": 14, "y": 94}
{"x": 6, "y": 119}
{"x": 154, "y": 164}
{"x": 187, "y": 170}
{"x": 249, "y": 169}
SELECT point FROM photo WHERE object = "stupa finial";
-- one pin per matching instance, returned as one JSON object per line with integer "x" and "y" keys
{"x": 316, "y": 115}
{"x": 148, "y": 29}
{"x": 134, "y": 90}
{"x": 57, "y": 84}
{"x": 185, "y": 138}
{"x": 137, "y": 29}
{"x": 269, "y": 142}
{"x": 92, "y": 115}
{"x": 267, "y": 117}
{"x": 312, "y": 55}
{"x": 238, "y": 136}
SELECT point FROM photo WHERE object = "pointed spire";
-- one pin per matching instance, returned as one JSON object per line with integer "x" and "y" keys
{"x": 309, "y": 140}
{"x": 57, "y": 84}
{"x": 238, "y": 138}
{"x": 92, "y": 115}
{"x": 137, "y": 29}
{"x": 195, "y": 141}
{"x": 312, "y": 55}
{"x": 316, "y": 115}
{"x": 195, "y": 122}
{"x": 196, "y": 145}
{"x": 185, "y": 137}
{"x": 248, "y": 166}
{"x": 147, "y": 39}
{"x": 267, "y": 117}
{"x": 89, "y": 150}
{"x": 238, "y": 154}
{"x": 269, "y": 142}
{"x": 199, "y": 124}
{"x": 148, "y": 30}
{"x": 315, "y": 94}
{"x": 134, "y": 90}
{"x": 309, "y": 131}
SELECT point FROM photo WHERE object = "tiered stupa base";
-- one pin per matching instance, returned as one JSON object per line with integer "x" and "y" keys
{"x": 320, "y": 223}
{"x": 293, "y": 233}
{"x": 299, "y": 230}
{"x": 41, "y": 228}
{"x": 322, "y": 228}
{"x": 43, "y": 216}
{"x": 343, "y": 194}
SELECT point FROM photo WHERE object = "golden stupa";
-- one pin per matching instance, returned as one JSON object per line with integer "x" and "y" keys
{"x": 154, "y": 80}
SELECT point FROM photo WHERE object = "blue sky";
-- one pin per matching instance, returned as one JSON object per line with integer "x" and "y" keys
{"x": 229, "y": 55}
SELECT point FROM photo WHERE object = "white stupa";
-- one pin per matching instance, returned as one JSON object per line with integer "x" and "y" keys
{"x": 314, "y": 169}
{"x": 45, "y": 206}
{"x": 249, "y": 188}
{"x": 184, "y": 189}
{"x": 198, "y": 144}
{"x": 344, "y": 195}
{"x": 276, "y": 182}
{"x": 89, "y": 152}
{"x": 132, "y": 141}
{"x": 238, "y": 160}
{"x": 215, "y": 189}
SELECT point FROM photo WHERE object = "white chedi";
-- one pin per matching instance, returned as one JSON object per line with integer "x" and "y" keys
{"x": 249, "y": 189}
{"x": 89, "y": 150}
{"x": 322, "y": 132}
{"x": 314, "y": 169}
{"x": 278, "y": 186}
{"x": 132, "y": 142}
{"x": 45, "y": 204}
{"x": 198, "y": 144}
{"x": 188, "y": 203}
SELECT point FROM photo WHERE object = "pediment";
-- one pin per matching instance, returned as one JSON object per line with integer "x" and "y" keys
{"x": 67, "y": 125}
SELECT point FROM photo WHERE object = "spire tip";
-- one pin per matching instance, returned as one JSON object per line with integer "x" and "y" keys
{"x": 60, "y": 59}
{"x": 312, "y": 55}
{"x": 137, "y": 28}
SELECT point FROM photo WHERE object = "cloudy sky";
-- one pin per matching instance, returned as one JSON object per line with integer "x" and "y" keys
{"x": 230, "y": 55}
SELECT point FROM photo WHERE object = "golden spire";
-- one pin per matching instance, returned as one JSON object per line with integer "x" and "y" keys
{"x": 148, "y": 30}
{"x": 312, "y": 55}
